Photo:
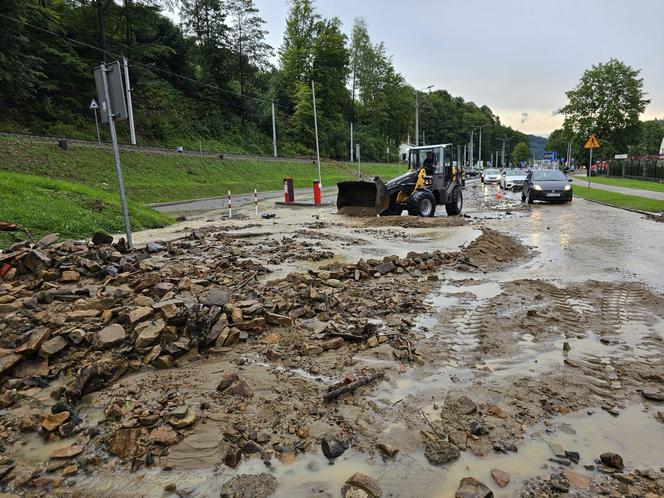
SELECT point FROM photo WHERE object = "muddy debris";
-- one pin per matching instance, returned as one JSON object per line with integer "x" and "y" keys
{"x": 358, "y": 481}
{"x": 249, "y": 486}
{"x": 469, "y": 487}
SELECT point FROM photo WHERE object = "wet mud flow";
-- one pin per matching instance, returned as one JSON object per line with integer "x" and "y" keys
{"x": 516, "y": 350}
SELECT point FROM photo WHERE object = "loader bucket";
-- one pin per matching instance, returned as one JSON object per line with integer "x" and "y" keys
{"x": 371, "y": 194}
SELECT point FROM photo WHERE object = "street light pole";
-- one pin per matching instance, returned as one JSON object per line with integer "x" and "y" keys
{"x": 472, "y": 149}
{"x": 503, "y": 149}
{"x": 417, "y": 114}
{"x": 479, "y": 155}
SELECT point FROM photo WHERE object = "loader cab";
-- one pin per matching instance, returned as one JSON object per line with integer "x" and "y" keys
{"x": 436, "y": 160}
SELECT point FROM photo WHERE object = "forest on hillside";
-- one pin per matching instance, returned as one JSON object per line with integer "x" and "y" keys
{"x": 210, "y": 79}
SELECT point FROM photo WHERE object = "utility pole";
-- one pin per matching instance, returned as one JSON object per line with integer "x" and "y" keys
{"x": 313, "y": 95}
{"x": 417, "y": 114}
{"x": 472, "y": 148}
{"x": 503, "y": 149}
{"x": 351, "y": 142}
{"x": 130, "y": 108}
{"x": 464, "y": 156}
{"x": 274, "y": 132}
{"x": 479, "y": 156}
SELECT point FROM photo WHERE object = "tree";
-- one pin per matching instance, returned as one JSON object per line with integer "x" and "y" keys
{"x": 651, "y": 134}
{"x": 521, "y": 152}
{"x": 246, "y": 38}
{"x": 607, "y": 101}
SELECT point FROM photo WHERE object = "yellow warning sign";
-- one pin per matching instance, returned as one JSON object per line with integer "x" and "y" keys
{"x": 592, "y": 142}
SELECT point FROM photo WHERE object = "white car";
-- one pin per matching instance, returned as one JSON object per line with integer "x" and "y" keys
{"x": 513, "y": 179}
{"x": 491, "y": 176}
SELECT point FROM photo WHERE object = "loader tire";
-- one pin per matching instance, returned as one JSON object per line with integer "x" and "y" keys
{"x": 455, "y": 205}
{"x": 422, "y": 203}
{"x": 393, "y": 210}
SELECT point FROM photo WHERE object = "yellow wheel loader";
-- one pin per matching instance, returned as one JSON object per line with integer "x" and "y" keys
{"x": 432, "y": 180}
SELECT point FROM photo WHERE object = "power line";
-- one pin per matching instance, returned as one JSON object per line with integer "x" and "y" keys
{"x": 149, "y": 66}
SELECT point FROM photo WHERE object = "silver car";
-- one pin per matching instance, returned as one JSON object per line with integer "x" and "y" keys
{"x": 491, "y": 176}
{"x": 513, "y": 179}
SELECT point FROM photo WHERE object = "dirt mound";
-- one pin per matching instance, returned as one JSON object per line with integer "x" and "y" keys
{"x": 492, "y": 250}
{"x": 416, "y": 221}
{"x": 357, "y": 212}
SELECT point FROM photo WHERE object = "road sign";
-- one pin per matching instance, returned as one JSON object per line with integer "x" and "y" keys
{"x": 116, "y": 92}
{"x": 550, "y": 155}
{"x": 592, "y": 142}
{"x": 621, "y": 156}
{"x": 94, "y": 105}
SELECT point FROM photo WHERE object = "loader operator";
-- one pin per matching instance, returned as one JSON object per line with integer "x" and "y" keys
{"x": 428, "y": 163}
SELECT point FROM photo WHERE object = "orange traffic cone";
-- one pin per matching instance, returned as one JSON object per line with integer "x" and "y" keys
{"x": 499, "y": 195}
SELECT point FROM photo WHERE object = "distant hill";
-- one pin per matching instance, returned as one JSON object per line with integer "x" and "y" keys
{"x": 537, "y": 145}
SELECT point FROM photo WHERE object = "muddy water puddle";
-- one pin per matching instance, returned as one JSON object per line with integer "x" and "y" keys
{"x": 634, "y": 434}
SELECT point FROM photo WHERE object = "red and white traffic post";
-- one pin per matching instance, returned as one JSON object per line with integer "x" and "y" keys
{"x": 256, "y": 201}
{"x": 230, "y": 206}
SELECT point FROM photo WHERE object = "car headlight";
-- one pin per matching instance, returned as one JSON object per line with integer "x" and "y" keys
{"x": 568, "y": 187}
{"x": 537, "y": 187}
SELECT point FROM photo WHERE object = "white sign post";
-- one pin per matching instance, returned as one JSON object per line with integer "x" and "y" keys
{"x": 94, "y": 106}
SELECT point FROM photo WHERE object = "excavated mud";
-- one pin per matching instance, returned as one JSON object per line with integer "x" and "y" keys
{"x": 420, "y": 356}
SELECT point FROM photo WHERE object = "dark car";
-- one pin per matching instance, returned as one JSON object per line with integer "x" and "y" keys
{"x": 546, "y": 185}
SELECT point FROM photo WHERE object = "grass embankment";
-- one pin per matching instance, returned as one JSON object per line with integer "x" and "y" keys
{"x": 43, "y": 205}
{"x": 625, "y": 182}
{"x": 153, "y": 178}
{"x": 620, "y": 200}
{"x": 74, "y": 192}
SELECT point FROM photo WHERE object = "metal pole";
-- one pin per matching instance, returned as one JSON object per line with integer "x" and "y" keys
{"x": 351, "y": 142}
{"x": 97, "y": 125}
{"x": 130, "y": 108}
{"x": 274, "y": 132}
{"x": 590, "y": 163}
{"x": 357, "y": 154}
{"x": 472, "y": 148}
{"x": 464, "y": 155}
{"x": 479, "y": 154}
{"x": 313, "y": 95}
{"x": 417, "y": 118}
{"x": 116, "y": 155}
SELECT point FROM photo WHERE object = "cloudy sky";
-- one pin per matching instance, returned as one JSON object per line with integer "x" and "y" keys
{"x": 516, "y": 56}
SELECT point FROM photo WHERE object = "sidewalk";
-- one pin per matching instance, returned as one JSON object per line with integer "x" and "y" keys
{"x": 582, "y": 181}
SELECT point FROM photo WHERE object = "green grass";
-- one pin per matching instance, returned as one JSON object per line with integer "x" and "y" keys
{"x": 626, "y": 182}
{"x": 168, "y": 177}
{"x": 42, "y": 205}
{"x": 620, "y": 200}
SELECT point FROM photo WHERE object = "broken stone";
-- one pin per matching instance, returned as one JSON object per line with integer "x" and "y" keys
{"x": 387, "y": 450}
{"x": 227, "y": 380}
{"x": 311, "y": 350}
{"x": 164, "y": 435}
{"x": 68, "y": 452}
{"x": 109, "y": 336}
{"x": 139, "y": 314}
{"x": 363, "y": 482}
{"x": 465, "y": 405}
{"x": 214, "y": 296}
{"x": 372, "y": 342}
{"x": 239, "y": 388}
{"x": 469, "y": 487}
{"x": 37, "y": 338}
{"x": 233, "y": 457}
{"x": 53, "y": 346}
{"x": 255, "y": 324}
{"x": 69, "y": 276}
{"x": 32, "y": 368}
{"x": 148, "y": 332}
{"x": 612, "y": 460}
{"x": 161, "y": 289}
{"x": 275, "y": 319}
{"x": 653, "y": 395}
{"x": 100, "y": 238}
{"x": 335, "y": 343}
{"x": 36, "y": 261}
{"x": 8, "y": 362}
{"x": 153, "y": 247}
{"x": 180, "y": 422}
{"x": 439, "y": 451}
{"x": 501, "y": 477}
{"x": 164, "y": 361}
{"x": 124, "y": 442}
{"x": 54, "y": 420}
{"x": 384, "y": 268}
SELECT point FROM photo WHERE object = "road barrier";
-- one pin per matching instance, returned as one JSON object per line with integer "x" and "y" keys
{"x": 256, "y": 201}
{"x": 230, "y": 206}
{"x": 317, "y": 199}
{"x": 289, "y": 190}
